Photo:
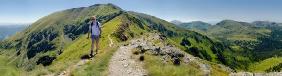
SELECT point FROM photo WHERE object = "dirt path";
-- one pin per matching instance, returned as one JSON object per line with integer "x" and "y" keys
{"x": 122, "y": 63}
{"x": 67, "y": 72}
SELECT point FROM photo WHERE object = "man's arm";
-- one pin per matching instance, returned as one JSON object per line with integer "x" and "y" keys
{"x": 89, "y": 24}
{"x": 100, "y": 28}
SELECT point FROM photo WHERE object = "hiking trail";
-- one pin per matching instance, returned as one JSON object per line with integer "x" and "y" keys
{"x": 122, "y": 63}
{"x": 67, "y": 72}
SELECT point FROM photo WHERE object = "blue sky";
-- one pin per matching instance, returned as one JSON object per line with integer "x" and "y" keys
{"x": 28, "y": 11}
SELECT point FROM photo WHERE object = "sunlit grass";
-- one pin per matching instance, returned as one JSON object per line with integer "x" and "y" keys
{"x": 265, "y": 64}
{"x": 156, "y": 67}
{"x": 8, "y": 69}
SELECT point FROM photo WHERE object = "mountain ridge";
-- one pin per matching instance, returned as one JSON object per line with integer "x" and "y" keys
{"x": 57, "y": 41}
{"x": 55, "y": 38}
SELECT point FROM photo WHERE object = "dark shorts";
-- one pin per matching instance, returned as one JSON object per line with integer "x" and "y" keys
{"x": 95, "y": 37}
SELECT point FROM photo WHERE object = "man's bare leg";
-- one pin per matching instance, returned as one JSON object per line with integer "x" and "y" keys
{"x": 97, "y": 45}
{"x": 92, "y": 47}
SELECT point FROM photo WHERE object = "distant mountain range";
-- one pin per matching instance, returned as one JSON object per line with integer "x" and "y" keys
{"x": 200, "y": 23}
{"x": 8, "y": 30}
{"x": 176, "y": 22}
{"x": 195, "y": 25}
{"x": 266, "y": 24}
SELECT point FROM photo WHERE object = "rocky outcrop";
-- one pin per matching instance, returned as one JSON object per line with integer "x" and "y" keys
{"x": 120, "y": 32}
{"x": 169, "y": 53}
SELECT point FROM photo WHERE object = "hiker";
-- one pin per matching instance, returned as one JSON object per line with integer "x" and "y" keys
{"x": 95, "y": 29}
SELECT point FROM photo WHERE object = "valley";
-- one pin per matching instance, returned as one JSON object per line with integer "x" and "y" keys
{"x": 252, "y": 43}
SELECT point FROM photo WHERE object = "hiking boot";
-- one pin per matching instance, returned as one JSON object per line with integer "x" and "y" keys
{"x": 96, "y": 51}
{"x": 91, "y": 53}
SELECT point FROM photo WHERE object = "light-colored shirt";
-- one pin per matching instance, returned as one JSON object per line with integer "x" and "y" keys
{"x": 95, "y": 27}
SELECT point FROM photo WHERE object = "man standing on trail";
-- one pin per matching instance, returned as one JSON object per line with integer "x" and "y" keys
{"x": 95, "y": 29}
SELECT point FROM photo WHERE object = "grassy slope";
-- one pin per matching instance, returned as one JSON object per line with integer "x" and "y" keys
{"x": 156, "y": 67}
{"x": 7, "y": 68}
{"x": 100, "y": 64}
{"x": 80, "y": 47}
{"x": 55, "y": 23}
{"x": 233, "y": 30}
{"x": 265, "y": 64}
{"x": 72, "y": 52}
{"x": 215, "y": 69}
